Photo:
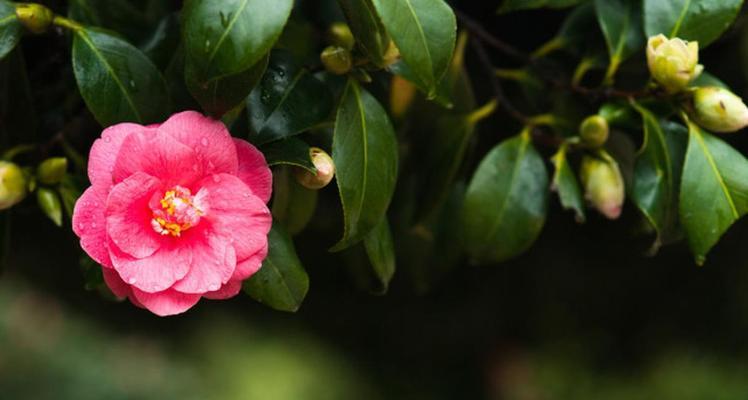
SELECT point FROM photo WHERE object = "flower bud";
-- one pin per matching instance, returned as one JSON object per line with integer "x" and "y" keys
{"x": 52, "y": 170}
{"x": 13, "y": 184}
{"x": 34, "y": 17}
{"x": 673, "y": 63}
{"x": 594, "y": 131}
{"x": 392, "y": 54}
{"x": 336, "y": 60}
{"x": 603, "y": 184}
{"x": 340, "y": 34}
{"x": 718, "y": 109}
{"x": 325, "y": 170}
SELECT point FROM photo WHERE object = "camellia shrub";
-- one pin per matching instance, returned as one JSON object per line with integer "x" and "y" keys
{"x": 188, "y": 145}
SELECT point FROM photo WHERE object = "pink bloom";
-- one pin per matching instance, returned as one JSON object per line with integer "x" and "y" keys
{"x": 175, "y": 212}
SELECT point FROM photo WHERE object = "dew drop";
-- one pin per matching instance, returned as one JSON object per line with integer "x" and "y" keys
{"x": 107, "y": 139}
{"x": 195, "y": 167}
{"x": 93, "y": 224}
{"x": 216, "y": 178}
{"x": 132, "y": 83}
{"x": 211, "y": 166}
{"x": 81, "y": 225}
{"x": 204, "y": 141}
{"x": 281, "y": 73}
{"x": 207, "y": 45}
{"x": 132, "y": 281}
{"x": 213, "y": 288}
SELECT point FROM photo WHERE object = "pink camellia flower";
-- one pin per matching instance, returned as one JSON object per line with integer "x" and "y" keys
{"x": 175, "y": 212}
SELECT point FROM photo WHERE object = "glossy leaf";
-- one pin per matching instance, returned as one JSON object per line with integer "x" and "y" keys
{"x": 281, "y": 283}
{"x": 10, "y": 28}
{"x": 621, "y": 24}
{"x": 293, "y": 204}
{"x": 713, "y": 192}
{"x": 291, "y": 151}
{"x": 381, "y": 253}
{"x": 425, "y": 32}
{"x": 515, "y": 5}
{"x": 657, "y": 174}
{"x": 218, "y": 96}
{"x": 565, "y": 183}
{"x": 223, "y": 38}
{"x": 288, "y": 101}
{"x": 117, "y": 81}
{"x": 50, "y": 204}
{"x": 365, "y": 152}
{"x": 506, "y": 201}
{"x": 445, "y": 153}
{"x": 371, "y": 36}
{"x": 700, "y": 20}
{"x": 117, "y": 15}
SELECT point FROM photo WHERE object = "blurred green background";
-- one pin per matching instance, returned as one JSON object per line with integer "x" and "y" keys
{"x": 583, "y": 315}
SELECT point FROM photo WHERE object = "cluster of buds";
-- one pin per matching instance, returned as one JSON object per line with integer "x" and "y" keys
{"x": 337, "y": 58}
{"x": 674, "y": 65}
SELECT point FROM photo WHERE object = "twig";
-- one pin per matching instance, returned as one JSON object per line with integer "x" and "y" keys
{"x": 487, "y": 65}
{"x": 486, "y": 37}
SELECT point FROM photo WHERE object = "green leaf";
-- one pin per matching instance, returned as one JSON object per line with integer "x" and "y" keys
{"x": 293, "y": 204}
{"x": 444, "y": 154}
{"x": 425, "y": 32}
{"x": 218, "y": 96}
{"x": 371, "y": 37}
{"x": 700, "y": 20}
{"x": 515, "y": 5}
{"x": 226, "y": 37}
{"x": 707, "y": 79}
{"x": 381, "y": 253}
{"x": 621, "y": 23}
{"x": 656, "y": 175}
{"x": 117, "y": 15}
{"x": 288, "y": 101}
{"x": 566, "y": 185}
{"x": 713, "y": 192}
{"x": 50, "y": 204}
{"x": 10, "y": 28}
{"x": 281, "y": 283}
{"x": 506, "y": 201}
{"x": 291, "y": 151}
{"x": 365, "y": 152}
{"x": 117, "y": 81}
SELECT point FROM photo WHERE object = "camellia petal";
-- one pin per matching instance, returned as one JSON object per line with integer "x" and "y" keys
{"x": 128, "y": 216}
{"x": 236, "y": 213}
{"x": 227, "y": 291}
{"x": 207, "y": 137}
{"x": 104, "y": 151}
{"x": 253, "y": 170}
{"x": 213, "y": 263}
{"x": 156, "y": 272}
{"x": 118, "y": 287}
{"x": 89, "y": 223}
{"x": 248, "y": 267}
{"x": 159, "y": 155}
{"x": 168, "y": 302}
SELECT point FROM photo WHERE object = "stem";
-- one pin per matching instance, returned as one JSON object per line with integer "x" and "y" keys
{"x": 485, "y": 61}
{"x": 557, "y": 43}
{"x": 67, "y": 23}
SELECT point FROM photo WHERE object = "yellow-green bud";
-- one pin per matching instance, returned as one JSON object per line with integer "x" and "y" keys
{"x": 325, "y": 170}
{"x": 603, "y": 184}
{"x": 392, "y": 54}
{"x": 35, "y": 17}
{"x": 340, "y": 34}
{"x": 52, "y": 170}
{"x": 13, "y": 184}
{"x": 673, "y": 63}
{"x": 337, "y": 60}
{"x": 594, "y": 131}
{"x": 718, "y": 109}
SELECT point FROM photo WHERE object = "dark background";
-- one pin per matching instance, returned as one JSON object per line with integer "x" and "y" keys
{"x": 584, "y": 314}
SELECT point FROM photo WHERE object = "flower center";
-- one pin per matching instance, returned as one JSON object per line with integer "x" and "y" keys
{"x": 176, "y": 212}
